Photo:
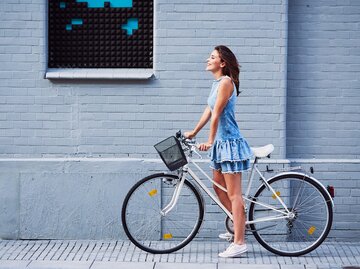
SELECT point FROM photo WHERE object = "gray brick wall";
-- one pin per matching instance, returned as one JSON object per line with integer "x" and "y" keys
{"x": 323, "y": 111}
{"x": 82, "y": 198}
{"x": 41, "y": 118}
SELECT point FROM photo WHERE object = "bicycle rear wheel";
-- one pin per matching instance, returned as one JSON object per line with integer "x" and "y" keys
{"x": 145, "y": 224}
{"x": 305, "y": 228}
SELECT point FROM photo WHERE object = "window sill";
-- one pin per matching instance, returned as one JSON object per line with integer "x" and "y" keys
{"x": 98, "y": 73}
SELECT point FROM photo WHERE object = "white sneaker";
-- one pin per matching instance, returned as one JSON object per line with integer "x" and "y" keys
{"x": 233, "y": 251}
{"x": 227, "y": 236}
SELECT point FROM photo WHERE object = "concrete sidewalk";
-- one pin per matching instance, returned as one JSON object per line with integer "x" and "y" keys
{"x": 81, "y": 254}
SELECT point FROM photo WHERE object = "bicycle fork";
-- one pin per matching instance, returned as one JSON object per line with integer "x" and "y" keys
{"x": 174, "y": 198}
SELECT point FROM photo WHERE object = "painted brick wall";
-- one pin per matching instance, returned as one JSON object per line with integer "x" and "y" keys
{"x": 41, "y": 118}
{"x": 323, "y": 112}
{"x": 82, "y": 198}
{"x": 123, "y": 118}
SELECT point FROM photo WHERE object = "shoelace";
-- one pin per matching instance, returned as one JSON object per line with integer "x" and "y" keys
{"x": 229, "y": 247}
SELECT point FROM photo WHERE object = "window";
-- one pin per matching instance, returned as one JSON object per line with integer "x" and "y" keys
{"x": 99, "y": 34}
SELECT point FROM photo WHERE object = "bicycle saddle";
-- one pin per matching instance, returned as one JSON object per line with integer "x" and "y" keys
{"x": 264, "y": 151}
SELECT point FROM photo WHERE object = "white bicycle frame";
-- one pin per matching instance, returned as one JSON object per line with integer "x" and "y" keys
{"x": 283, "y": 214}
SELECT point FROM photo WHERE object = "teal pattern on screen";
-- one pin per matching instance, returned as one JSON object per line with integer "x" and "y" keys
{"x": 113, "y": 3}
{"x": 131, "y": 25}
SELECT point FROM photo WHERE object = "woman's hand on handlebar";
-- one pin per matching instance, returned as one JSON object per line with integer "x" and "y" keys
{"x": 190, "y": 134}
{"x": 205, "y": 146}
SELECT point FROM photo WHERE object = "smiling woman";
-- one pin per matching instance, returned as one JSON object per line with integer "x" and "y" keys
{"x": 229, "y": 152}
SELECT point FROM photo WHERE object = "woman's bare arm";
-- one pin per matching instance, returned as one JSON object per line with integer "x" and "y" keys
{"x": 203, "y": 120}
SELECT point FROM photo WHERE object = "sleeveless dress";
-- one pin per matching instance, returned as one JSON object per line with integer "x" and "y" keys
{"x": 230, "y": 152}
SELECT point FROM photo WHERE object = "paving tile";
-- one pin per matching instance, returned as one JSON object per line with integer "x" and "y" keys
{"x": 248, "y": 266}
{"x": 199, "y": 253}
{"x": 292, "y": 266}
{"x": 122, "y": 265}
{"x": 169, "y": 265}
{"x": 59, "y": 265}
{"x": 311, "y": 266}
{"x": 14, "y": 252}
{"x": 329, "y": 266}
{"x": 13, "y": 264}
{"x": 109, "y": 251}
{"x": 11, "y": 247}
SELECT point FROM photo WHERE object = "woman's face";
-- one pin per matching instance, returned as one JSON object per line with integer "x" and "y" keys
{"x": 214, "y": 63}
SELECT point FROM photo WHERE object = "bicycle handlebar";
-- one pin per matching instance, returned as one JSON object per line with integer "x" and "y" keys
{"x": 190, "y": 144}
{"x": 185, "y": 140}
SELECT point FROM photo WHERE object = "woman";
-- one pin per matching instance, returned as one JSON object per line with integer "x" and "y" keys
{"x": 230, "y": 154}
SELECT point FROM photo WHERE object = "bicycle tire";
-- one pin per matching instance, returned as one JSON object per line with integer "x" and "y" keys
{"x": 147, "y": 228}
{"x": 302, "y": 227}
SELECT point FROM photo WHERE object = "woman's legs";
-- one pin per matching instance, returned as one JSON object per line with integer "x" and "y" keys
{"x": 218, "y": 177}
{"x": 232, "y": 200}
{"x": 234, "y": 193}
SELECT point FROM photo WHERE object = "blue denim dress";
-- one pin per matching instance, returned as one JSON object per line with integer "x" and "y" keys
{"x": 230, "y": 152}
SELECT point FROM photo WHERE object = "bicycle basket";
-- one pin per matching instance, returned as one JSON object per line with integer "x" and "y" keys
{"x": 171, "y": 153}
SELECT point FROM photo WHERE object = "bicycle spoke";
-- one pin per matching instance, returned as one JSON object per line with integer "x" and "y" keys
{"x": 146, "y": 194}
{"x": 319, "y": 204}
{"x": 145, "y": 234}
{"x": 310, "y": 222}
{"x": 314, "y": 211}
{"x": 306, "y": 229}
{"x": 313, "y": 214}
{"x": 308, "y": 200}
{"x": 297, "y": 196}
{"x": 316, "y": 202}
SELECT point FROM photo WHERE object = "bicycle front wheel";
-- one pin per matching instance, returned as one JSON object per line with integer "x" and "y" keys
{"x": 306, "y": 225}
{"x": 144, "y": 219}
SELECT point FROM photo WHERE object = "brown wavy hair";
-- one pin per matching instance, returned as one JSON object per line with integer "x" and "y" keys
{"x": 232, "y": 67}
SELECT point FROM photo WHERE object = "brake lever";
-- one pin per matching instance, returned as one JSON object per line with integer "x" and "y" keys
{"x": 193, "y": 148}
{"x": 193, "y": 145}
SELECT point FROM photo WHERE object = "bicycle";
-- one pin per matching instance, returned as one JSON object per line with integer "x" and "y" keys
{"x": 290, "y": 214}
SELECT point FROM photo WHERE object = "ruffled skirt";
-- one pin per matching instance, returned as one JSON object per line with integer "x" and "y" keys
{"x": 230, "y": 156}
